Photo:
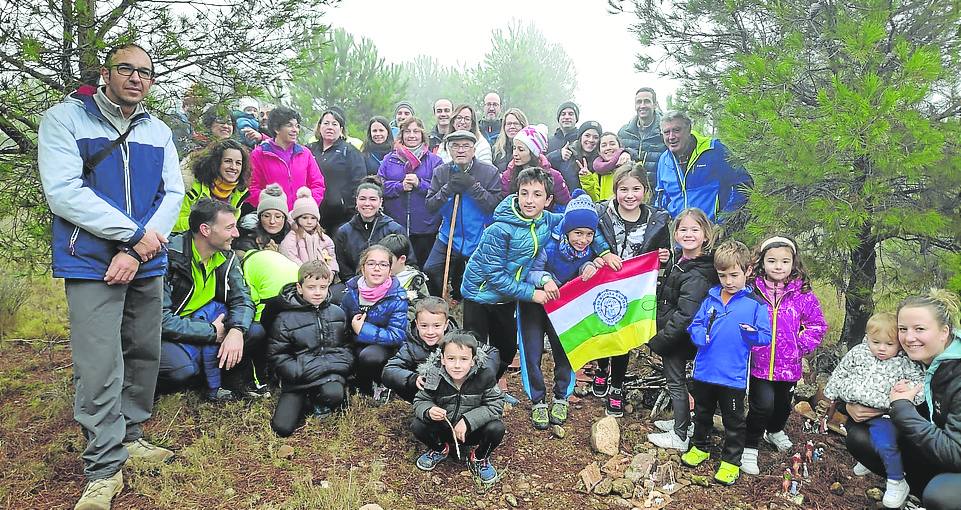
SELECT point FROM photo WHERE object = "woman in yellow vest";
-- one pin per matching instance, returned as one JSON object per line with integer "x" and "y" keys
{"x": 221, "y": 172}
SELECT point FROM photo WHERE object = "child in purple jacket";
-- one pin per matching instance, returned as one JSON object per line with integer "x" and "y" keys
{"x": 798, "y": 327}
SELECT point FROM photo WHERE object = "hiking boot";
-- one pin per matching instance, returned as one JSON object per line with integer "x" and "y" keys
{"x": 142, "y": 450}
{"x": 221, "y": 395}
{"x": 559, "y": 410}
{"x": 727, "y": 473}
{"x": 539, "y": 416}
{"x": 895, "y": 492}
{"x": 861, "y": 470}
{"x": 749, "y": 462}
{"x": 694, "y": 457}
{"x": 615, "y": 403}
{"x": 98, "y": 493}
{"x": 430, "y": 459}
{"x": 381, "y": 394}
{"x": 668, "y": 440}
{"x": 482, "y": 468}
{"x": 601, "y": 385}
{"x": 779, "y": 440}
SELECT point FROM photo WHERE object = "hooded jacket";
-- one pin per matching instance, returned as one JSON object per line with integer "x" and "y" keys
{"x": 479, "y": 400}
{"x": 400, "y": 372}
{"x": 269, "y": 168}
{"x": 939, "y": 439}
{"x": 343, "y": 168}
{"x": 559, "y": 265}
{"x": 798, "y": 326}
{"x": 474, "y": 208}
{"x": 409, "y": 208}
{"x": 679, "y": 296}
{"x": 612, "y": 227}
{"x": 386, "y": 322}
{"x": 649, "y": 143}
{"x": 723, "y": 347}
{"x": 709, "y": 183}
{"x": 352, "y": 238}
{"x": 179, "y": 287}
{"x": 136, "y": 187}
{"x": 498, "y": 270}
{"x": 861, "y": 378}
{"x": 307, "y": 345}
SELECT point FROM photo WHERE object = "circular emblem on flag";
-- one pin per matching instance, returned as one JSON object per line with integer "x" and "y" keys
{"x": 610, "y": 306}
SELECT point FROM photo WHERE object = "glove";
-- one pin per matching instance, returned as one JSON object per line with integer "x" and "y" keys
{"x": 460, "y": 182}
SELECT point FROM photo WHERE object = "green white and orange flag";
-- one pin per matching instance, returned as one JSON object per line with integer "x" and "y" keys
{"x": 608, "y": 315}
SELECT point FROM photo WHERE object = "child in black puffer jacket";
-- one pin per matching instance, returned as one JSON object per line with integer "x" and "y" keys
{"x": 307, "y": 348}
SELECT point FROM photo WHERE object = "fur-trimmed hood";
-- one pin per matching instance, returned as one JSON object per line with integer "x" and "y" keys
{"x": 433, "y": 371}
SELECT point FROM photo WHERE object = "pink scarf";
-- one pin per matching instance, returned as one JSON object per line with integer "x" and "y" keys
{"x": 603, "y": 167}
{"x": 410, "y": 156}
{"x": 373, "y": 294}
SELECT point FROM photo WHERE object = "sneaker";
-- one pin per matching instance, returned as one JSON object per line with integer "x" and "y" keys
{"x": 539, "y": 416}
{"x": 895, "y": 492}
{"x": 861, "y": 470}
{"x": 615, "y": 403}
{"x": 482, "y": 468}
{"x": 510, "y": 399}
{"x": 601, "y": 385}
{"x": 321, "y": 411}
{"x": 559, "y": 410}
{"x": 668, "y": 440}
{"x": 779, "y": 440}
{"x": 98, "y": 493}
{"x": 664, "y": 425}
{"x": 727, "y": 473}
{"x": 430, "y": 459}
{"x": 694, "y": 457}
{"x": 381, "y": 394}
{"x": 749, "y": 462}
{"x": 221, "y": 395}
{"x": 142, "y": 450}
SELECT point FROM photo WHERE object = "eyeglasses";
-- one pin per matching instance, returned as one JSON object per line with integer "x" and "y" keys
{"x": 461, "y": 147}
{"x": 512, "y": 124}
{"x": 492, "y": 104}
{"x": 461, "y": 118}
{"x": 371, "y": 264}
{"x": 127, "y": 70}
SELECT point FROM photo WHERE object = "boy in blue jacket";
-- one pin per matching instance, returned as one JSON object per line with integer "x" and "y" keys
{"x": 730, "y": 320}
{"x": 495, "y": 278}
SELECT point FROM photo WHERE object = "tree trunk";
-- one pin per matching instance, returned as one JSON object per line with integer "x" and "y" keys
{"x": 859, "y": 296}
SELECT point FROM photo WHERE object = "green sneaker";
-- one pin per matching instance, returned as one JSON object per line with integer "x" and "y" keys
{"x": 727, "y": 474}
{"x": 559, "y": 412}
{"x": 694, "y": 457}
{"x": 539, "y": 416}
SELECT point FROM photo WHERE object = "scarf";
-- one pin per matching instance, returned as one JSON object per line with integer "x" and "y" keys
{"x": 222, "y": 189}
{"x": 570, "y": 252}
{"x": 373, "y": 294}
{"x": 410, "y": 156}
{"x": 605, "y": 167}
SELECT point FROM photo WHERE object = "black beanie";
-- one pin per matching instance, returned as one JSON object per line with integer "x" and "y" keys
{"x": 588, "y": 125}
{"x": 572, "y": 106}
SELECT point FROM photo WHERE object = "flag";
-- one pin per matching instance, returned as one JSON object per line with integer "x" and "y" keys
{"x": 608, "y": 315}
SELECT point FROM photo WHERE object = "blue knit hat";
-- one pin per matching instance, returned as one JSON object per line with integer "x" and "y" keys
{"x": 580, "y": 213}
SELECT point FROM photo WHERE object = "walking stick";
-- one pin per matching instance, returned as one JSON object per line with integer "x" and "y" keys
{"x": 450, "y": 245}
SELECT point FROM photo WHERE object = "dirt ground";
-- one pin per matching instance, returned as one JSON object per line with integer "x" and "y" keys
{"x": 229, "y": 458}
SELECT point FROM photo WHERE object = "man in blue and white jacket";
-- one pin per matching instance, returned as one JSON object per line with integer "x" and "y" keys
{"x": 111, "y": 176}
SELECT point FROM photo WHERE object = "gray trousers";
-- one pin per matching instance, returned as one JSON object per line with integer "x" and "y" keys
{"x": 115, "y": 344}
{"x": 676, "y": 378}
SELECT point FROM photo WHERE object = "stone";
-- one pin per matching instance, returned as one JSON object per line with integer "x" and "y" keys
{"x": 558, "y": 432}
{"x": 371, "y": 506}
{"x": 623, "y": 503}
{"x": 629, "y": 408}
{"x": 230, "y": 492}
{"x": 604, "y": 488}
{"x": 874, "y": 494}
{"x": 511, "y": 500}
{"x": 623, "y": 487}
{"x": 285, "y": 452}
{"x": 700, "y": 480}
{"x": 606, "y": 436}
{"x": 615, "y": 466}
{"x": 591, "y": 476}
{"x": 837, "y": 489}
{"x": 805, "y": 391}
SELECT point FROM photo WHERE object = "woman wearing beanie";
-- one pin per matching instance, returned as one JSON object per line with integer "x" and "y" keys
{"x": 221, "y": 172}
{"x": 529, "y": 145}
{"x": 578, "y": 157}
{"x": 406, "y": 174}
{"x": 379, "y": 143}
{"x": 503, "y": 150}
{"x": 271, "y": 227}
{"x": 465, "y": 119}
{"x": 402, "y": 111}
{"x": 307, "y": 241}
{"x": 342, "y": 166}
{"x": 283, "y": 161}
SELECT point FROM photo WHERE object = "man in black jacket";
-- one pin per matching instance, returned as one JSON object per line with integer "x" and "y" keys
{"x": 568, "y": 113}
{"x": 202, "y": 268}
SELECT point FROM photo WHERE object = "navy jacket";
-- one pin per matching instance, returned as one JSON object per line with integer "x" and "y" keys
{"x": 352, "y": 238}
{"x": 386, "y": 322}
{"x": 648, "y": 143}
{"x": 343, "y": 168}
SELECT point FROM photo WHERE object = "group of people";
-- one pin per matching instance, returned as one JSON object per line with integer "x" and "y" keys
{"x": 294, "y": 268}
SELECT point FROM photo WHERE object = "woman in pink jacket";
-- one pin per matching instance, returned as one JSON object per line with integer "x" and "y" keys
{"x": 797, "y": 328}
{"x": 283, "y": 161}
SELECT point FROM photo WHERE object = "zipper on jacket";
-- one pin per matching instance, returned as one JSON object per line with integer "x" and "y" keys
{"x": 517, "y": 276}
{"x": 777, "y": 305}
{"x": 73, "y": 241}
{"x": 125, "y": 152}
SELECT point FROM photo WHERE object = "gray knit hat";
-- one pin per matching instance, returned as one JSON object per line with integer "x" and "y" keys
{"x": 272, "y": 198}
{"x": 402, "y": 104}
{"x": 572, "y": 106}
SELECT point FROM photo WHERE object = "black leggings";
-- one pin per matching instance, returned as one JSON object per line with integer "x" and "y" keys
{"x": 494, "y": 325}
{"x": 769, "y": 408}
{"x": 617, "y": 365}
{"x": 370, "y": 365}
{"x": 292, "y": 406}
{"x": 435, "y": 433}
{"x": 938, "y": 490}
